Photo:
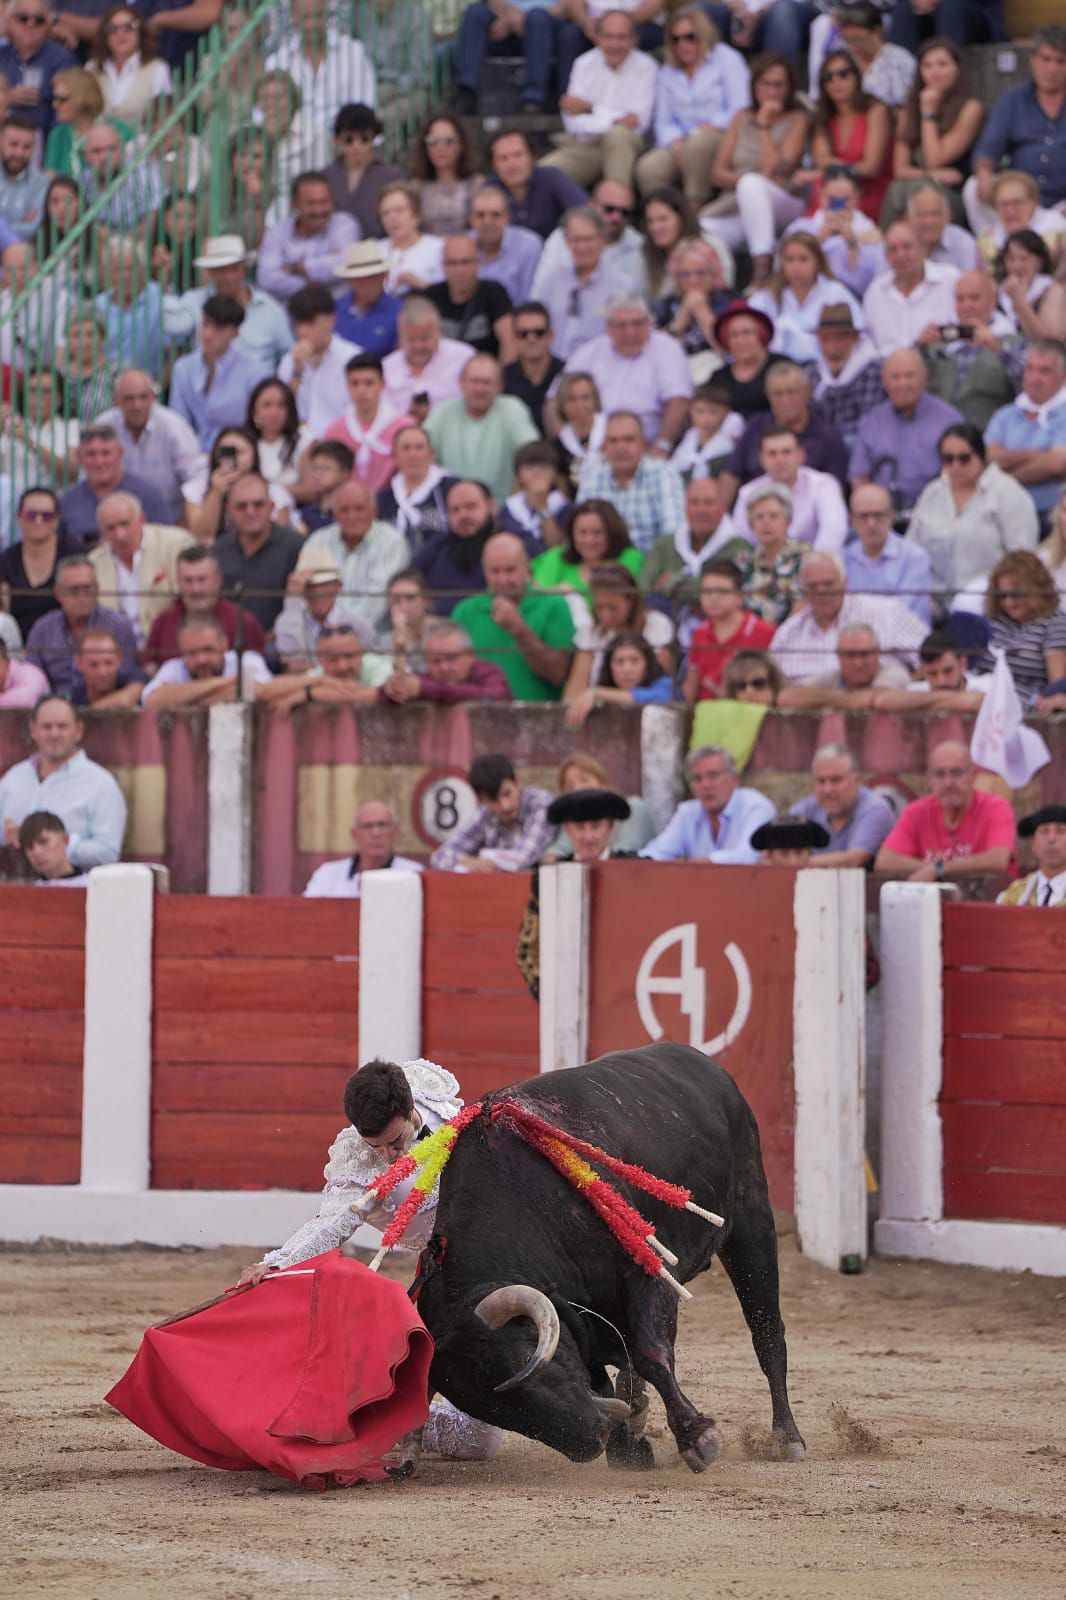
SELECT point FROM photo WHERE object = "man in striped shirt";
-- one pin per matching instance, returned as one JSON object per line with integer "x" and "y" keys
{"x": 132, "y": 207}
{"x": 805, "y": 644}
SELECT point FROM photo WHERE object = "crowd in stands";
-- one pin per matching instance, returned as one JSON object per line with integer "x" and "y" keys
{"x": 733, "y": 391}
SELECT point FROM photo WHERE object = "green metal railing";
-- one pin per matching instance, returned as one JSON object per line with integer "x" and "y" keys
{"x": 101, "y": 285}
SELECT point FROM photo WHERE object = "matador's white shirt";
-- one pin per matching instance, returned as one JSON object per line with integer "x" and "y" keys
{"x": 353, "y": 1166}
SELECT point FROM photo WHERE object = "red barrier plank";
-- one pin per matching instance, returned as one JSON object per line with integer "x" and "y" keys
{"x": 466, "y": 963}
{"x": 40, "y": 980}
{"x": 1004, "y": 1196}
{"x": 298, "y": 987}
{"x": 252, "y": 1037}
{"x": 1017, "y": 1005}
{"x": 453, "y": 1024}
{"x": 982, "y": 1069}
{"x": 38, "y": 1036}
{"x": 1019, "y": 1139}
{"x": 1020, "y": 939}
{"x": 481, "y": 904}
{"x": 478, "y": 1077}
{"x": 250, "y": 926}
{"x": 253, "y": 1150}
{"x": 46, "y": 1090}
{"x": 223, "y": 1087}
{"x": 24, "y": 1160}
{"x": 50, "y": 921}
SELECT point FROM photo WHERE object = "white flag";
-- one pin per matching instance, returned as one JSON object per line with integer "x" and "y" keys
{"x": 1001, "y": 742}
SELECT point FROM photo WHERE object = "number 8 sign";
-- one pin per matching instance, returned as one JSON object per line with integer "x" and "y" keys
{"x": 442, "y": 802}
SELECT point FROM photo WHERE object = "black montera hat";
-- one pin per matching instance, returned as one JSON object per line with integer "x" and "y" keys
{"x": 588, "y": 805}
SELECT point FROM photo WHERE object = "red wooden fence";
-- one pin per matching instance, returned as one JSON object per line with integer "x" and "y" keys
{"x": 1003, "y": 1100}
{"x": 42, "y": 1029}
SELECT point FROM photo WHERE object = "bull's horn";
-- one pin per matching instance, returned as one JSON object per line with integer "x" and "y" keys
{"x": 519, "y": 1300}
{"x": 617, "y": 1410}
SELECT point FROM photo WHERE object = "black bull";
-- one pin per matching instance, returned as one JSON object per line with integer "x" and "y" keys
{"x": 507, "y": 1218}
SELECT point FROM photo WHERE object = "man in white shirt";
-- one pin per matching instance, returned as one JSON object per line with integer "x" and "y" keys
{"x": 374, "y": 835}
{"x": 365, "y": 551}
{"x": 910, "y": 295}
{"x": 1047, "y": 885}
{"x": 637, "y": 368}
{"x": 427, "y": 367}
{"x": 819, "y": 515}
{"x": 608, "y": 104}
{"x": 136, "y": 561}
{"x": 156, "y": 443}
{"x": 805, "y": 645}
{"x": 206, "y": 673}
{"x": 579, "y": 291}
{"x": 61, "y": 779}
{"x": 623, "y": 246}
{"x": 328, "y": 65}
{"x": 314, "y": 369}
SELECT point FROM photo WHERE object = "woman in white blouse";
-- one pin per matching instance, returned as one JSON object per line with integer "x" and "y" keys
{"x": 796, "y": 295}
{"x": 972, "y": 515}
{"x": 123, "y": 60}
{"x": 415, "y": 259}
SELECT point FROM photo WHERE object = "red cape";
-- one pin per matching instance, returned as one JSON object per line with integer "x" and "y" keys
{"x": 314, "y": 1374}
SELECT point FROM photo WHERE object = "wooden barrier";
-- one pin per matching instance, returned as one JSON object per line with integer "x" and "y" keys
{"x": 42, "y": 1029}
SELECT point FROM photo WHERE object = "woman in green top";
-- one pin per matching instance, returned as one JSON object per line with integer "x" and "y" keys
{"x": 78, "y": 103}
{"x": 596, "y": 535}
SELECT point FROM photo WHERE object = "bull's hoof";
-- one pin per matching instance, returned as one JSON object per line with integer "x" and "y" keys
{"x": 403, "y": 1469}
{"x": 627, "y": 1452}
{"x": 704, "y": 1449}
{"x": 796, "y": 1450}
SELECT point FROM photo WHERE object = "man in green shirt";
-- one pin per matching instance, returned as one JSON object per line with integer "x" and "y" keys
{"x": 527, "y": 634}
{"x": 477, "y": 435}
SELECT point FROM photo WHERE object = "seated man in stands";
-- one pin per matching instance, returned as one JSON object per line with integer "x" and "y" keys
{"x": 943, "y": 682}
{"x": 426, "y": 368}
{"x": 608, "y": 105}
{"x": 788, "y": 394}
{"x": 368, "y": 423}
{"x": 879, "y": 561}
{"x": 860, "y": 671}
{"x": 474, "y": 309}
{"x": 103, "y": 473}
{"x": 718, "y": 822}
{"x": 308, "y": 246}
{"x": 943, "y": 242}
{"x": 131, "y": 207}
{"x": 511, "y": 830}
{"x": 819, "y": 516}
{"x": 506, "y": 254}
{"x": 480, "y": 432}
{"x": 365, "y": 551}
{"x": 578, "y": 293}
{"x": 345, "y": 675}
{"x": 977, "y": 363}
{"x": 102, "y": 682}
{"x": 45, "y": 843}
{"x": 639, "y": 369}
{"x": 956, "y": 831}
{"x": 538, "y": 196}
{"x": 315, "y": 369}
{"x": 59, "y": 777}
{"x": 528, "y": 634}
{"x": 675, "y": 561}
{"x": 211, "y": 387}
{"x": 1028, "y": 439}
{"x": 450, "y": 562}
{"x": 1019, "y": 135}
{"x": 206, "y": 671}
{"x": 856, "y": 821}
{"x": 898, "y": 442}
{"x": 55, "y": 637}
{"x": 644, "y": 489}
{"x": 1047, "y": 885}
{"x": 258, "y": 554}
{"x": 198, "y": 578}
{"x": 136, "y": 561}
{"x": 157, "y": 444}
{"x": 805, "y": 644}
{"x": 453, "y": 674}
{"x": 374, "y": 835}
{"x": 847, "y": 377}
{"x": 910, "y": 295}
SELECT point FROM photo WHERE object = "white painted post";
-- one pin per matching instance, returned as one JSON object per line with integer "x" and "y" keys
{"x": 564, "y": 966}
{"x": 912, "y": 1004}
{"x": 390, "y": 966}
{"x": 117, "y": 1062}
{"x": 662, "y": 756}
{"x": 830, "y": 1067}
{"x": 229, "y": 803}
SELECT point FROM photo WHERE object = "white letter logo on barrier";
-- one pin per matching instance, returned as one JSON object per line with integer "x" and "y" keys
{"x": 691, "y": 986}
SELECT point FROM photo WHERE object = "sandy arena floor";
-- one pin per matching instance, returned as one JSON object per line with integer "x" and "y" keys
{"x": 930, "y": 1397}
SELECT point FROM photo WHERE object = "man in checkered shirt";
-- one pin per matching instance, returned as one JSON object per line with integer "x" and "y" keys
{"x": 511, "y": 830}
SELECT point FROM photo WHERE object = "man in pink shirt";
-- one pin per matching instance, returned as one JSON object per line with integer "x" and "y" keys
{"x": 370, "y": 424}
{"x": 21, "y": 683}
{"x": 956, "y": 831}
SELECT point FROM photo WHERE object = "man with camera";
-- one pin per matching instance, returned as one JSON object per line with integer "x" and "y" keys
{"x": 975, "y": 362}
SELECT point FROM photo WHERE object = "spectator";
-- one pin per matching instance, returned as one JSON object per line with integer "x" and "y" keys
{"x": 305, "y": 248}
{"x": 538, "y": 195}
{"x": 728, "y": 626}
{"x": 971, "y": 514}
{"x": 531, "y": 376}
{"x": 408, "y": 615}
{"x": 849, "y": 241}
{"x": 753, "y": 678}
{"x": 1015, "y": 201}
{"x": 102, "y": 683}
{"x": 788, "y": 394}
{"x": 313, "y": 602}
{"x": 477, "y": 312}
{"x": 595, "y": 536}
{"x": 644, "y": 489}
{"x": 357, "y": 173}
{"x": 1025, "y": 131}
{"x": 62, "y": 207}
{"x": 617, "y": 607}
{"x": 443, "y": 165}
{"x": 954, "y": 21}
{"x": 29, "y": 61}
{"x": 859, "y": 675}
{"x": 744, "y": 337}
{"x": 525, "y": 28}
{"x": 753, "y": 208}
{"x": 575, "y": 408}
{"x": 366, "y": 315}
{"x": 852, "y": 128}
{"x": 23, "y": 186}
{"x": 623, "y": 252}
{"x": 257, "y": 555}
{"x": 264, "y": 334}
{"x": 510, "y": 831}
{"x": 123, "y": 60}
{"x": 27, "y": 567}
{"x": 206, "y": 672}
{"x": 61, "y": 779}
{"x": 374, "y": 835}
{"x": 944, "y": 243}
{"x": 135, "y": 562}
{"x": 1022, "y": 606}
{"x": 846, "y": 379}
{"x": 1028, "y": 438}
{"x": 506, "y": 255}
{"x": 701, "y": 86}
{"x": 631, "y": 675}
{"x": 1052, "y": 552}
{"x": 282, "y": 440}
{"x": 21, "y": 683}
{"x": 453, "y": 675}
{"x": 579, "y": 293}
{"x": 1024, "y": 267}
{"x": 819, "y": 516}
{"x": 131, "y": 307}
{"x": 856, "y": 820}
{"x": 637, "y": 367}
{"x": 426, "y": 368}
{"x": 344, "y": 675}
{"x": 283, "y": 143}
{"x": 413, "y": 499}
{"x": 329, "y": 67}
{"x": 582, "y": 771}
{"x": 413, "y": 259}
{"x": 211, "y": 387}
{"x": 527, "y": 634}
{"x": 956, "y": 831}
{"x": 674, "y": 562}
{"x": 450, "y": 562}
{"x": 713, "y": 432}
{"x": 101, "y": 460}
{"x": 198, "y": 580}
{"x": 688, "y": 312}
{"x": 942, "y": 678}
{"x": 796, "y": 295}
{"x": 608, "y": 105}
{"x": 536, "y": 509}
{"x": 910, "y": 296}
{"x": 887, "y": 69}
{"x": 44, "y": 842}
{"x": 896, "y": 444}
{"x": 157, "y": 444}
{"x": 976, "y": 363}
{"x": 1047, "y": 885}
{"x": 718, "y": 822}
{"x": 328, "y": 466}
{"x": 365, "y": 551}
{"x": 670, "y": 221}
{"x": 54, "y": 637}
{"x": 769, "y": 570}
{"x": 480, "y": 432}
{"x": 315, "y": 367}
{"x": 234, "y": 452}
{"x": 805, "y": 645}
{"x": 38, "y": 442}
{"x": 132, "y": 205}
{"x": 879, "y": 561}
{"x": 28, "y": 335}
{"x": 369, "y": 424}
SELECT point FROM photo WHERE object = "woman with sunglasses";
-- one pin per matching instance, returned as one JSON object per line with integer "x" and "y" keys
{"x": 1022, "y": 605}
{"x": 444, "y": 166}
{"x": 123, "y": 60}
{"x": 970, "y": 516}
{"x": 78, "y": 101}
{"x": 357, "y": 173}
{"x": 852, "y": 129}
{"x": 753, "y": 677}
{"x": 701, "y": 86}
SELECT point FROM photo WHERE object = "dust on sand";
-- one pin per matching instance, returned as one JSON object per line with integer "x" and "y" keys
{"x": 936, "y": 1460}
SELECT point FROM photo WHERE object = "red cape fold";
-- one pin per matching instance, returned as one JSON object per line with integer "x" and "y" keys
{"x": 314, "y": 1375}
